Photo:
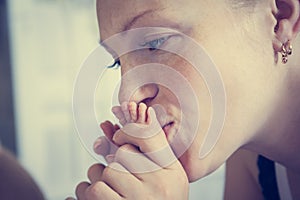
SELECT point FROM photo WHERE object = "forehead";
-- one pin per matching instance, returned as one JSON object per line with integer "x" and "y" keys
{"x": 115, "y": 16}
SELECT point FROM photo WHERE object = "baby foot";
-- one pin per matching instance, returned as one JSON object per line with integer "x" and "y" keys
{"x": 137, "y": 120}
{"x": 138, "y": 113}
{"x": 131, "y": 113}
{"x": 132, "y": 109}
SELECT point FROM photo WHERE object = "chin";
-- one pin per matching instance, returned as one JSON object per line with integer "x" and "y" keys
{"x": 194, "y": 167}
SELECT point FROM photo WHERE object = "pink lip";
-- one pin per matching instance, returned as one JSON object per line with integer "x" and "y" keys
{"x": 167, "y": 128}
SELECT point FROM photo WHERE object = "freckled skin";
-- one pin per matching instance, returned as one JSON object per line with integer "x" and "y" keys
{"x": 242, "y": 46}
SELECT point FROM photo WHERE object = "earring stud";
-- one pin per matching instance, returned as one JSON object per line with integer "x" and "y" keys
{"x": 286, "y": 50}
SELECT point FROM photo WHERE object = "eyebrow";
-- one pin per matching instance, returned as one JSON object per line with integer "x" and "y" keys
{"x": 130, "y": 23}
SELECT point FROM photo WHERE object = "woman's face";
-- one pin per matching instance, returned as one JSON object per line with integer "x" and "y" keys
{"x": 239, "y": 42}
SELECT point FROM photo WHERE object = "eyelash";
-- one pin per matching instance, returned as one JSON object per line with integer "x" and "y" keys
{"x": 115, "y": 65}
{"x": 155, "y": 44}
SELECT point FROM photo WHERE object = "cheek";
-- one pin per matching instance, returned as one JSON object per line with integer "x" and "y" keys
{"x": 248, "y": 73}
{"x": 199, "y": 88}
{"x": 249, "y": 90}
{"x": 250, "y": 85}
{"x": 191, "y": 156}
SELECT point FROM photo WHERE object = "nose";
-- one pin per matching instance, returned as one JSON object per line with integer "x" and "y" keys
{"x": 145, "y": 93}
{"x": 138, "y": 82}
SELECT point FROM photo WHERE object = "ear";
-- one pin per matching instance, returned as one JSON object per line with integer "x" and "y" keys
{"x": 287, "y": 15}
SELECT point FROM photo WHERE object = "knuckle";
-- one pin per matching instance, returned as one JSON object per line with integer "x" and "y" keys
{"x": 96, "y": 190}
{"x": 107, "y": 173}
{"x": 125, "y": 149}
{"x": 116, "y": 168}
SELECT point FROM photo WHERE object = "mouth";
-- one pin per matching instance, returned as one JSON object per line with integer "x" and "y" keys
{"x": 167, "y": 128}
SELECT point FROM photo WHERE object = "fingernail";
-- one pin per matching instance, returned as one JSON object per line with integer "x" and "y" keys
{"x": 110, "y": 158}
{"x": 101, "y": 124}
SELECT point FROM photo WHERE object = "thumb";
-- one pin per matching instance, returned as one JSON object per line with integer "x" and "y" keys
{"x": 104, "y": 145}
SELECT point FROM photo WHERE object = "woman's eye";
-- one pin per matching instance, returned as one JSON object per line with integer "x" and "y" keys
{"x": 116, "y": 64}
{"x": 155, "y": 44}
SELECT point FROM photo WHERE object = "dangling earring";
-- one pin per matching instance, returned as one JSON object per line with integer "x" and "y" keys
{"x": 286, "y": 50}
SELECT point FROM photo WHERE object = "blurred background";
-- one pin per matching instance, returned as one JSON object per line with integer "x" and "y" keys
{"x": 42, "y": 45}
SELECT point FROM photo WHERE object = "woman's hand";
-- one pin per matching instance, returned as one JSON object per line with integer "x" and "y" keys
{"x": 141, "y": 168}
{"x": 117, "y": 182}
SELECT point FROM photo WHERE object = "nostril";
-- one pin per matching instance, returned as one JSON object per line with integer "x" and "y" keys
{"x": 147, "y": 100}
{"x": 148, "y": 93}
{"x": 143, "y": 94}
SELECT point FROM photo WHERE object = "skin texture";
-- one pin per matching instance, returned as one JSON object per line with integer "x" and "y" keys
{"x": 132, "y": 185}
{"x": 263, "y": 95}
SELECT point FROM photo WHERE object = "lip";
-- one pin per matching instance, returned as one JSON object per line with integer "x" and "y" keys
{"x": 167, "y": 128}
